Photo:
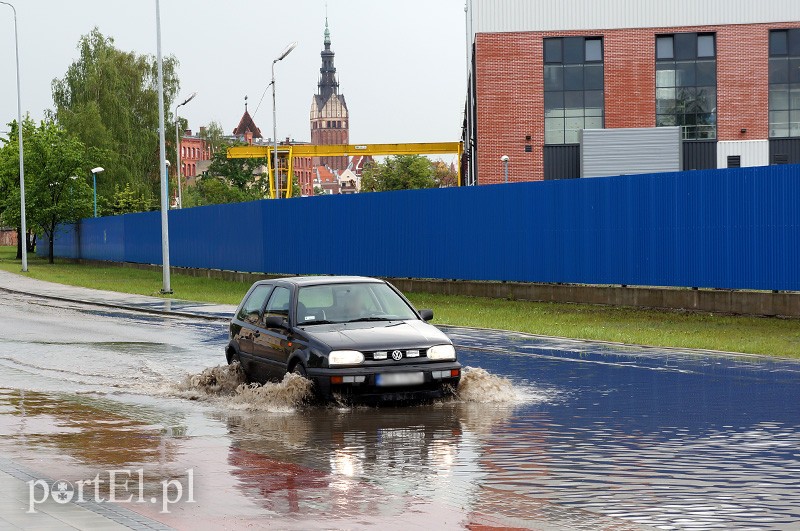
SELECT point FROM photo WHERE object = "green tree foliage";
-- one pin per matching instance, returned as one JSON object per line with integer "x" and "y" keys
{"x": 241, "y": 173}
{"x": 402, "y": 172}
{"x": 56, "y": 190}
{"x": 214, "y": 137}
{"x": 296, "y": 190}
{"x": 127, "y": 200}
{"x": 213, "y": 190}
{"x": 108, "y": 98}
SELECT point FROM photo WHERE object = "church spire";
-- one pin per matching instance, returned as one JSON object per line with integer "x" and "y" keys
{"x": 328, "y": 84}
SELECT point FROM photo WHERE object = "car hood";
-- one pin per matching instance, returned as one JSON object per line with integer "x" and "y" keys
{"x": 378, "y": 335}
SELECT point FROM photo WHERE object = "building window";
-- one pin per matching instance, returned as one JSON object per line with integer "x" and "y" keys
{"x": 573, "y": 87}
{"x": 686, "y": 84}
{"x": 784, "y": 83}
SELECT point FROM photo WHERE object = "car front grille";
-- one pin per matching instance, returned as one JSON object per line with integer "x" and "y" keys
{"x": 411, "y": 354}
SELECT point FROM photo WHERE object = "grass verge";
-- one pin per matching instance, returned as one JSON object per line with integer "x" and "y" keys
{"x": 754, "y": 335}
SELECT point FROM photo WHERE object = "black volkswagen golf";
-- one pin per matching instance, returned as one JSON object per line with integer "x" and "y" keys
{"x": 355, "y": 336}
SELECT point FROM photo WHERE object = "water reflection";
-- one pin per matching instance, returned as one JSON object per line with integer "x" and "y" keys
{"x": 342, "y": 460}
{"x": 76, "y": 437}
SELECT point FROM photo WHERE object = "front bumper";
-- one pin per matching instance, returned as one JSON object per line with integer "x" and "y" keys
{"x": 438, "y": 381}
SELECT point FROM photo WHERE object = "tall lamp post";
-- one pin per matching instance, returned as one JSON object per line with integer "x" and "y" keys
{"x": 504, "y": 160}
{"x": 22, "y": 225}
{"x": 95, "y": 171}
{"x": 162, "y": 151}
{"x": 178, "y": 148}
{"x": 285, "y": 52}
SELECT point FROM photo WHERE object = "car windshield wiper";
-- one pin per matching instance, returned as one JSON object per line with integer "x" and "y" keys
{"x": 315, "y": 322}
{"x": 368, "y": 319}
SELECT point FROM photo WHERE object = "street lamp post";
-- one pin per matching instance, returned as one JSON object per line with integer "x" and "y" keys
{"x": 285, "y": 52}
{"x": 504, "y": 160}
{"x": 178, "y": 148}
{"x": 22, "y": 225}
{"x": 162, "y": 151}
{"x": 95, "y": 171}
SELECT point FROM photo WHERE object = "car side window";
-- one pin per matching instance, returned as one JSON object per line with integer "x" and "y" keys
{"x": 251, "y": 309}
{"x": 278, "y": 305}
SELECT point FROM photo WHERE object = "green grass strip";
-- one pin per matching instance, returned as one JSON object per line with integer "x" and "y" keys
{"x": 753, "y": 335}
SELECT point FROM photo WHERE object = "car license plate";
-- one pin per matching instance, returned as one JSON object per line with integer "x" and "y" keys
{"x": 399, "y": 378}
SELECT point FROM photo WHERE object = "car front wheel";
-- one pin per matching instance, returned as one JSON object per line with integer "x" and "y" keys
{"x": 299, "y": 370}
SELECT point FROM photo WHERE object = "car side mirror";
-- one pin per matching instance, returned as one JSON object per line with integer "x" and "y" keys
{"x": 426, "y": 315}
{"x": 275, "y": 321}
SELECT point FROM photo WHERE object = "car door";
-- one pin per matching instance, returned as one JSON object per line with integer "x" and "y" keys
{"x": 271, "y": 345}
{"x": 247, "y": 322}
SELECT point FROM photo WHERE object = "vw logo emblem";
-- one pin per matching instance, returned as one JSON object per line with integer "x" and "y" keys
{"x": 397, "y": 355}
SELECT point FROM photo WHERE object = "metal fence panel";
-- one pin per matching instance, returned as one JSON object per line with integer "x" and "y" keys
{"x": 736, "y": 229}
{"x": 229, "y": 237}
{"x": 143, "y": 237}
{"x": 102, "y": 239}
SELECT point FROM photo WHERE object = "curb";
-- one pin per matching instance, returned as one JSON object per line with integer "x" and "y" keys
{"x": 120, "y": 306}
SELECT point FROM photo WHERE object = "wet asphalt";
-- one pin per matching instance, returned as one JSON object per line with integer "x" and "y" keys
{"x": 555, "y": 434}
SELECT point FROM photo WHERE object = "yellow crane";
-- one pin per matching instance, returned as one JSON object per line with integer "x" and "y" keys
{"x": 289, "y": 152}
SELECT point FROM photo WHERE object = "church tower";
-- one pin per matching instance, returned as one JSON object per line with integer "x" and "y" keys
{"x": 330, "y": 122}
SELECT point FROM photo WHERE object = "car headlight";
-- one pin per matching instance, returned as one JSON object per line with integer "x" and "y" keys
{"x": 442, "y": 352}
{"x": 345, "y": 357}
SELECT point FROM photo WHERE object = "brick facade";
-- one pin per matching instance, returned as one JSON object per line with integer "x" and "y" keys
{"x": 327, "y": 132}
{"x": 8, "y": 236}
{"x": 510, "y": 103}
{"x": 193, "y": 150}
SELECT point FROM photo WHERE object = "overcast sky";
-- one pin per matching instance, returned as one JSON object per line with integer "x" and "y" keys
{"x": 400, "y": 63}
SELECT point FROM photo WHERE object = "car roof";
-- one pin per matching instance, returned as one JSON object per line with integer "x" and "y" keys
{"x": 322, "y": 280}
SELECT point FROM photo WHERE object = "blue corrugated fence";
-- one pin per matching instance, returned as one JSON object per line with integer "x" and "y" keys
{"x": 737, "y": 229}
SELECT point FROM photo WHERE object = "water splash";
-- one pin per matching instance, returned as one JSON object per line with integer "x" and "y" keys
{"x": 479, "y": 385}
{"x": 213, "y": 381}
{"x": 227, "y": 384}
{"x": 291, "y": 392}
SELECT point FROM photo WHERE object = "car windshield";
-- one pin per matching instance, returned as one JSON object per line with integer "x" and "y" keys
{"x": 343, "y": 303}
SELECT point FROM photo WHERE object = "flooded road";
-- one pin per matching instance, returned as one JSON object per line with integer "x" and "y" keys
{"x": 546, "y": 434}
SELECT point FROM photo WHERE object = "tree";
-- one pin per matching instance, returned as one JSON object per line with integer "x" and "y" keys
{"x": 127, "y": 200}
{"x": 242, "y": 173}
{"x": 296, "y": 190}
{"x": 55, "y": 192}
{"x": 402, "y": 172}
{"x": 444, "y": 174}
{"x": 9, "y": 184}
{"x": 213, "y": 190}
{"x": 214, "y": 137}
{"x": 108, "y": 98}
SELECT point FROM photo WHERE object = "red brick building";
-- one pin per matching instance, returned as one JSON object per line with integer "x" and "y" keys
{"x": 195, "y": 156}
{"x": 727, "y": 72}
